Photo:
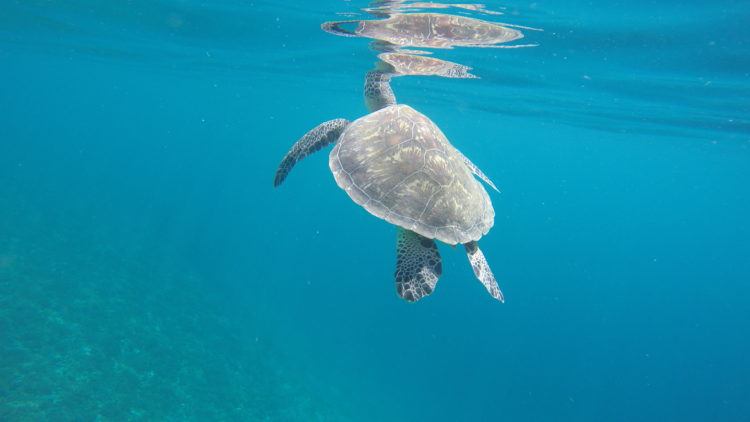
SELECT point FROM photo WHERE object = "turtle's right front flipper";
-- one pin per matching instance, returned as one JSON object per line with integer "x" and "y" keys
{"x": 320, "y": 136}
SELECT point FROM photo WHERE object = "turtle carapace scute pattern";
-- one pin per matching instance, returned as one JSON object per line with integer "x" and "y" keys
{"x": 399, "y": 166}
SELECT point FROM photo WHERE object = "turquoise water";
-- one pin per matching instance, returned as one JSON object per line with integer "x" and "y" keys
{"x": 150, "y": 271}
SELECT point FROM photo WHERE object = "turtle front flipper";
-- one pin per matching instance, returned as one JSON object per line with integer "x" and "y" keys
{"x": 336, "y": 28}
{"x": 418, "y": 265}
{"x": 320, "y": 136}
{"x": 482, "y": 270}
{"x": 479, "y": 173}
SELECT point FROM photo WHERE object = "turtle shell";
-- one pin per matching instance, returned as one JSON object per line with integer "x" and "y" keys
{"x": 433, "y": 30}
{"x": 399, "y": 166}
{"x": 410, "y": 64}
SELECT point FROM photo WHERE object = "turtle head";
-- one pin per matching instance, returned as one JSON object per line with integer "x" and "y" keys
{"x": 378, "y": 92}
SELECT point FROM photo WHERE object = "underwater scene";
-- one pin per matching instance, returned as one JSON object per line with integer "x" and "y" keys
{"x": 374, "y": 210}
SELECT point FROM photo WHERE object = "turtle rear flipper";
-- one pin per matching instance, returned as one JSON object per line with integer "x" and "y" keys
{"x": 418, "y": 265}
{"x": 320, "y": 136}
{"x": 482, "y": 270}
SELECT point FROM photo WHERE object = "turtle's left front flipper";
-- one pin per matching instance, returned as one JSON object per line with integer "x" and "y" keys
{"x": 418, "y": 265}
{"x": 320, "y": 136}
{"x": 482, "y": 270}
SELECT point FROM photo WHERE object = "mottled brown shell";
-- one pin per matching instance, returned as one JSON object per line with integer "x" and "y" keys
{"x": 436, "y": 30}
{"x": 410, "y": 64}
{"x": 399, "y": 166}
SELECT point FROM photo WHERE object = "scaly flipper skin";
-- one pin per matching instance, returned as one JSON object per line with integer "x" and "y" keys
{"x": 418, "y": 265}
{"x": 322, "y": 135}
{"x": 474, "y": 169}
{"x": 482, "y": 270}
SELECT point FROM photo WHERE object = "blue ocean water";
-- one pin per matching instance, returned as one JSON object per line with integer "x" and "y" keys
{"x": 150, "y": 271}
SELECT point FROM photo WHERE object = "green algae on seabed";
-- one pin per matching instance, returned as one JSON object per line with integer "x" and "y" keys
{"x": 86, "y": 334}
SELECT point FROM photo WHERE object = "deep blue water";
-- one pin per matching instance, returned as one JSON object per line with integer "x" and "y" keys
{"x": 150, "y": 271}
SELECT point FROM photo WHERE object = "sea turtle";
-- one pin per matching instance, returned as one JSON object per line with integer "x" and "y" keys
{"x": 429, "y": 30}
{"x": 403, "y": 64}
{"x": 399, "y": 166}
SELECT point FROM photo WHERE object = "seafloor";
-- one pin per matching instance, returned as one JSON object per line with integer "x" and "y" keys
{"x": 134, "y": 338}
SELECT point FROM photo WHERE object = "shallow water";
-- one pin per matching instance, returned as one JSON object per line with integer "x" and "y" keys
{"x": 150, "y": 271}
